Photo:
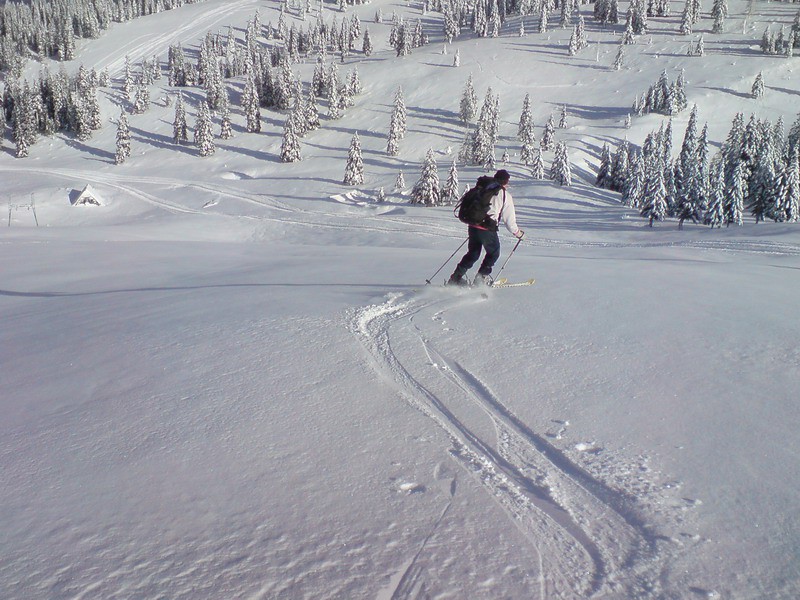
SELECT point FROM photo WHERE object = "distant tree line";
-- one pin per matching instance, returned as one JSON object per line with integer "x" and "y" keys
{"x": 756, "y": 171}
{"x": 49, "y": 28}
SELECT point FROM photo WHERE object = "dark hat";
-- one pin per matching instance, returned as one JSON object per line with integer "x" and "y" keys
{"x": 502, "y": 176}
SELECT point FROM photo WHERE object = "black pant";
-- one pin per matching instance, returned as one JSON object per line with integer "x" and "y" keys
{"x": 480, "y": 239}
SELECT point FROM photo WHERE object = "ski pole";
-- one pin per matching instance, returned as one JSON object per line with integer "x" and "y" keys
{"x": 508, "y": 258}
{"x": 427, "y": 281}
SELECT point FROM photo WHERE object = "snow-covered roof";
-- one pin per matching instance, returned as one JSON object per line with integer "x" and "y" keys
{"x": 88, "y": 196}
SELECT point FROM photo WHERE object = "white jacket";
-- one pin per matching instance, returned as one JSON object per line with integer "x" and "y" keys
{"x": 502, "y": 209}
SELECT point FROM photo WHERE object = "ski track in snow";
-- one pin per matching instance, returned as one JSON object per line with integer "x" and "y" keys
{"x": 297, "y": 216}
{"x": 146, "y": 46}
{"x": 588, "y": 538}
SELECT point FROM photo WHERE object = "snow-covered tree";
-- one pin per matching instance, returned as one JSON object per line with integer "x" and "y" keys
{"x": 290, "y": 142}
{"x": 548, "y": 137}
{"x": 483, "y": 139}
{"x": 543, "y": 15}
{"x": 203, "y": 131}
{"x": 787, "y": 190}
{"x": 251, "y": 104}
{"x": 603, "y": 179}
{"x": 354, "y": 169}
{"x": 123, "y": 140}
{"x": 560, "y": 170}
{"x": 716, "y": 213}
{"x": 619, "y": 58}
{"x": 366, "y": 45}
{"x": 399, "y": 112}
{"x": 400, "y": 182}
{"x": 469, "y": 102}
{"x": 426, "y": 190}
{"x": 757, "y": 91}
{"x": 654, "y": 203}
{"x": 180, "y": 132}
{"x": 142, "y": 100}
{"x": 633, "y": 191}
{"x": 719, "y": 12}
{"x": 537, "y": 166}
{"x": 562, "y": 122}
{"x": 734, "y": 193}
{"x": 225, "y": 126}
{"x": 450, "y": 192}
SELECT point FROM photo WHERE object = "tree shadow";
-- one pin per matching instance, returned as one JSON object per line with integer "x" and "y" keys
{"x": 726, "y": 91}
{"x": 161, "y": 141}
{"x": 102, "y": 155}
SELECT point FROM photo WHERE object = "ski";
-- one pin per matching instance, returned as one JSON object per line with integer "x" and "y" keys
{"x": 503, "y": 282}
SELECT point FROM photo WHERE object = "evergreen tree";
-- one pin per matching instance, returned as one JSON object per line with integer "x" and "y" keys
{"x": 634, "y": 188}
{"x": 23, "y": 122}
{"x": 123, "y": 140}
{"x": 142, "y": 101}
{"x": 354, "y": 170}
{"x": 637, "y": 17}
{"x": 469, "y": 102}
{"x": 654, "y": 205}
{"x": 393, "y": 143}
{"x": 225, "y": 126}
{"x": 719, "y": 12}
{"x": 525, "y": 119}
{"x": 620, "y": 58}
{"x": 572, "y": 49}
{"x": 560, "y": 170}
{"x": 426, "y": 190}
{"x": 562, "y": 123}
{"x": 450, "y": 192}
{"x": 251, "y": 104}
{"x": 483, "y": 138}
{"x": 757, "y": 90}
{"x": 93, "y": 108}
{"x": 787, "y": 193}
{"x": 311, "y": 112}
{"x": 127, "y": 85}
{"x": 734, "y": 193}
{"x": 537, "y": 167}
{"x": 548, "y": 137}
{"x": 79, "y": 117}
{"x": 716, "y": 214}
{"x": 399, "y": 113}
{"x": 366, "y": 46}
{"x": 687, "y": 18}
{"x": 180, "y": 133}
{"x": 761, "y": 189}
{"x": 619, "y": 168}
{"x": 290, "y": 142}
{"x": 400, "y": 182}
{"x": 602, "y": 10}
{"x": 603, "y": 179}
{"x": 688, "y": 151}
{"x": 543, "y": 17}
{"x": 203, "y": 131}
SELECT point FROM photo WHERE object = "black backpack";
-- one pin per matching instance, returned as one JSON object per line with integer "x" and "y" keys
{"x": 474, "y": 205}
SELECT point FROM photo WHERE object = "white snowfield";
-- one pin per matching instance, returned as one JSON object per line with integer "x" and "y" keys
{"x": 230, "y": 381}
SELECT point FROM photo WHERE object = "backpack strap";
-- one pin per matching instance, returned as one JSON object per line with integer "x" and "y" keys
{"x": 500, "y": 214}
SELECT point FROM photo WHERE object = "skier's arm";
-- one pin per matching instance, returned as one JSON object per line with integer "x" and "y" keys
{"x": 510, "y": 217}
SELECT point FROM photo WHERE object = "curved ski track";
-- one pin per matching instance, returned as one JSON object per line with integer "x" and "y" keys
{"x": 294, "y": 215}
{"x": 588, "y": 538}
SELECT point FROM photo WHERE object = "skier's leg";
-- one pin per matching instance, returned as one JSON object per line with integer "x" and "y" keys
{"x": 474, "y": 247}
{"x": 491, "y": 243}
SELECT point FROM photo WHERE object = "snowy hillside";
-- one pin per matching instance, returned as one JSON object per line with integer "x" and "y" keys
{"x": 228, "y": 379}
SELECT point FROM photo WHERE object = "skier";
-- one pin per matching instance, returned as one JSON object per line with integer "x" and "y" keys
{"x": 484, "y": 237}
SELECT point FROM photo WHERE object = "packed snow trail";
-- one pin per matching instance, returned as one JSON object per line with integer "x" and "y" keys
{"x": 588, "y": 537}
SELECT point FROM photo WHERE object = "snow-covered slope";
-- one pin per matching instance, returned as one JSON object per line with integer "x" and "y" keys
{"x": 229, "y": 381}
